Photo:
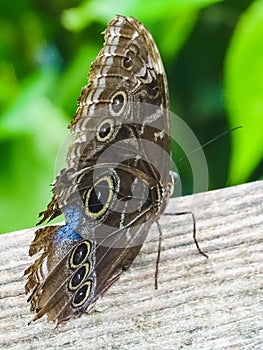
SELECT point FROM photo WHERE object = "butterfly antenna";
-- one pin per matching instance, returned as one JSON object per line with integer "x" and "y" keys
{"x": 210, "y": 141}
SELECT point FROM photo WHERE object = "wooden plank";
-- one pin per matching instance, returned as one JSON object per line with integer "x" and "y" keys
{"x": 214, "y": 303}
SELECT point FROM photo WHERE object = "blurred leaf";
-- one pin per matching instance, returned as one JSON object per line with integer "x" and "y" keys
{"x": 37, "y": 128}
{"x": 12, "y": 122}
{"x": 244, "y": 93}
{"x": 8, "y": 84}
{"x": 75, "y": 76}
{"x": 77, "y": 18}
{"x": 179, "y": 28}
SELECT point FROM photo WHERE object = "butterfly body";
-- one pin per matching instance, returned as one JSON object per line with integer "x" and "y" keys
{"x": 116, "y": 183}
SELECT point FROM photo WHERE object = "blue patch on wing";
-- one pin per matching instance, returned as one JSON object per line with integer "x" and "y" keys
{"x": 68, "y": 231}
{"x": 72, "y": 215}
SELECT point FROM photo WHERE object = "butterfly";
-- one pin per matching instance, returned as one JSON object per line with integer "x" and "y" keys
{"x": 116, "y": 183}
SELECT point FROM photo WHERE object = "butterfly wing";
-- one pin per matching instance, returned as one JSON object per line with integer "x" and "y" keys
{"x": 116, "y": 183}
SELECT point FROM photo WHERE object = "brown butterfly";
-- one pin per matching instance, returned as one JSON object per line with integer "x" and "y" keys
{"x": 116, "y": 183}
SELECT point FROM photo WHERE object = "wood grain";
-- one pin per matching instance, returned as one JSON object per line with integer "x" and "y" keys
{"x": 214, "y": 303}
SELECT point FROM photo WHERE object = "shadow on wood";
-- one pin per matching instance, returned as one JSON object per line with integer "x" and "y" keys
{"x": 200, "y": 304}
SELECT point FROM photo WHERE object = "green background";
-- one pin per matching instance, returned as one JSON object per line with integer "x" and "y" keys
{"x": 213, "y": 56}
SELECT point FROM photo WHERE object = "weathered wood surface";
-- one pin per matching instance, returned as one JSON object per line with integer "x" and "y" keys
{"x": 200, "y": 304}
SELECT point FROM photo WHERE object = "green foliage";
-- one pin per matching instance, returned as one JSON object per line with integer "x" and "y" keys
{"x": 45, "y": 53}
{"x": 244, "y": 93}
{"x": 31, "y": 132}
{"x": 176, "y": 17}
